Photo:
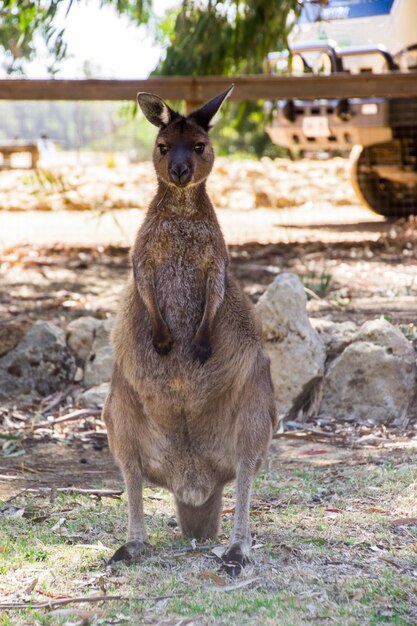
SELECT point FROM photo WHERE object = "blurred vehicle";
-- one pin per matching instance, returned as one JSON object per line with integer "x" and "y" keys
{"x": 357, "y": 36}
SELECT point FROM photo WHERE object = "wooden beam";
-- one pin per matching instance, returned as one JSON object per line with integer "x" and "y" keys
{"x": 198, "y": 89}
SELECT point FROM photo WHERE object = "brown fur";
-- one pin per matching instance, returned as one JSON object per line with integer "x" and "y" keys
{"x": 191, "y": 404}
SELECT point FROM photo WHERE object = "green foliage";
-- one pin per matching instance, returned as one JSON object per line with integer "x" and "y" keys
{"x": 243, "y": 31}
{"x": 200, "y": 37}
{"x": 241, "y": 132}
{"x": 22, "y": 20}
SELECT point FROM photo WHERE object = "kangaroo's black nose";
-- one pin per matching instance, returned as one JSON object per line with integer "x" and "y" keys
{"x": 180, "y": 174}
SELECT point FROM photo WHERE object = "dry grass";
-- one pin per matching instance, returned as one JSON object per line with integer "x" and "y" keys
{"x": 329, "y": 550}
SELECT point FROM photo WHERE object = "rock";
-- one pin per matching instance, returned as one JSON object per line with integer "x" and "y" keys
{"x": 81, "y": 333}
{"x": 95, "y": 396}
{"x": 89, "y": 338}
{"x": 335, "y": 336}
{"x": 374, "y": 377}
{"x": 98, "y": 366}
{"x": 296, "y": 350}
{"x": 11, "y": 333}
{"x": 79, "y": 375}
{"x": 264, "y": 199}
{"x": 39, "y": 365}
{"x": 241, "y": 199}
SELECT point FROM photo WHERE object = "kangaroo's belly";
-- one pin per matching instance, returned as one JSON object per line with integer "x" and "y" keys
{"x": 191, "y": 471}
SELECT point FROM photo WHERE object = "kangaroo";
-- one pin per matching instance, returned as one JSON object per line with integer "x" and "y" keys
{"x": 191, "y": 404}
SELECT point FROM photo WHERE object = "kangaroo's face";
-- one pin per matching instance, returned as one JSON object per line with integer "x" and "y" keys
{"x": 183, "y": 154}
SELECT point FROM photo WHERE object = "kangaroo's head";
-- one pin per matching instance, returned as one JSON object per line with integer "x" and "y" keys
{"x": 183, "y": 154}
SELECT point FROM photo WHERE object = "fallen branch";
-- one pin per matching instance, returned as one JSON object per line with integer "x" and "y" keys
{"x": 58, "y": 399}
{"x": 312, "y": 293}
{"x": 16, "y": 495}
{"x": 70, "y": 417}
{"x": 61, "y": 602}
{"x": 89, "y": 599}
{"x": 102, "y": 493}
{"x": 315, "y": 431}
{"x": 232, "y": 587}
{"x": 303, "y": 431}
{"x": 178, "y": 553}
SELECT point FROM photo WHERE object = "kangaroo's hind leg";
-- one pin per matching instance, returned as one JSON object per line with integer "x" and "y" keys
{"x": 118, "y": 417}
{"x": 137, "y": 539}
{"x": 257, "y": 419}
{"x": 201, "y": 522}
{"x": 236, "y": 556}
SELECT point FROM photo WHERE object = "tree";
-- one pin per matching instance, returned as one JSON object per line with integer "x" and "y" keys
{"x": 21, "y": 21}
{"x": 200, "y": 37}
{"x": 229, "y": 37}
{"x": 225, "y": 36}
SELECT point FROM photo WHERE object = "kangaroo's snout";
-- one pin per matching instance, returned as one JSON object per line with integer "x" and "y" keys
{"x": 180, "y": 173}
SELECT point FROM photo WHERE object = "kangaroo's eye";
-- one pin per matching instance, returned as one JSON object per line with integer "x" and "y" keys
{"x": 199, "y": 148}
{"x": 163, "y": 149}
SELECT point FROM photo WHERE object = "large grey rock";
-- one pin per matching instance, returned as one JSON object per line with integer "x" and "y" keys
{"x": 81, "y": 333}
{"x": 374, "y": 377}
{"x": 296, "y": 351}
{"x": 98, "y": 365}
{"x": 39, "y": 365}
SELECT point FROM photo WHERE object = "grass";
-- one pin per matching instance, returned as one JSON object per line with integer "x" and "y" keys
{"x": 319, "y": 282}
{"x": 328, "y": 551}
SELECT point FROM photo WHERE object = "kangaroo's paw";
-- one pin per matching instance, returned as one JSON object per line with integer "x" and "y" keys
{"x": 201, "y": 350}
{"x": 130, "y": 552}
{"x": 162, "y": 343}
{"x": 234, "y": 560}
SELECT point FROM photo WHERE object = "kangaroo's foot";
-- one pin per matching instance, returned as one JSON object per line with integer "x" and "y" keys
{"x": 130, "y": 552}
{"x": 234, "y": 560}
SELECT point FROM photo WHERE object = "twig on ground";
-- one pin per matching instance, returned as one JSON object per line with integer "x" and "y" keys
{"x": 58, "y": 399}
{"x": 311, "y": 293}
{"x": 102, "y": 493}
{"x": 70, "y": 417}
{"x": 88, "y": 599}
{"x": 239, "y": 585}
{"x": 51, "y": 603}
{"x": 17, "y": 495}
{"x": 181, "y": 552}
{"x": 304, "y": 430}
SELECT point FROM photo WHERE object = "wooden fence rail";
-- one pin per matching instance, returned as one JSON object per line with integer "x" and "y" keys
{"x": 198, "y": 89}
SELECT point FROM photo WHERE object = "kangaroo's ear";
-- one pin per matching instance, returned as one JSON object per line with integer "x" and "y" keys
{"x": 206, "y": 115}
{"x": 156, "y": 111}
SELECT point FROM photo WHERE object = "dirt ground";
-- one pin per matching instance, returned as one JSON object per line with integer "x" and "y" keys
{"x": 276, "y": 216}
{"x": 374, "y": 274}
{"x": 326, "y": 507}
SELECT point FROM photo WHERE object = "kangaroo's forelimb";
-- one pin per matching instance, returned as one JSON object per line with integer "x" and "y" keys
{"x": 214, "y": 294}
{"x": 145, "y": 282}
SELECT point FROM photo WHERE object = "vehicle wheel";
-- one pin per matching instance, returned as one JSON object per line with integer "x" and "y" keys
{"x": 386, "y": 197}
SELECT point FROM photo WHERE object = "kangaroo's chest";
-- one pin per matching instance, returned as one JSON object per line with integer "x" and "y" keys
{"x": 182, "y": 252}
{"x": 179, "y": 242}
